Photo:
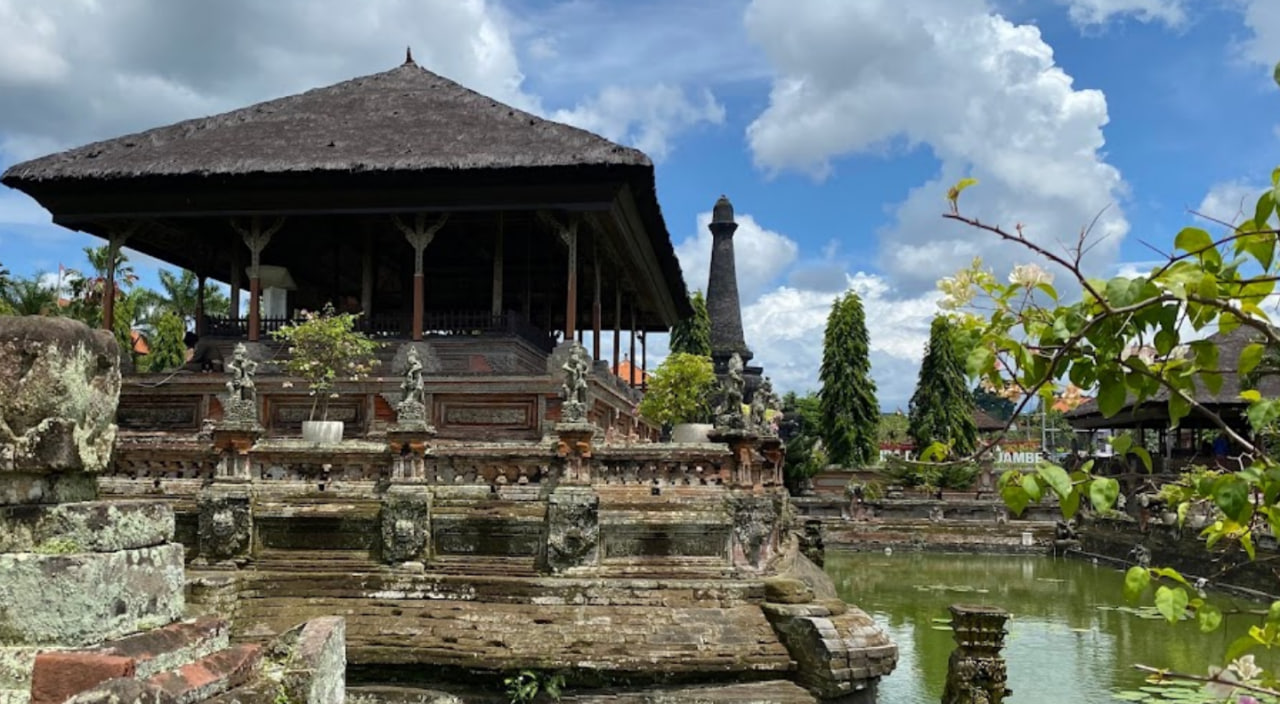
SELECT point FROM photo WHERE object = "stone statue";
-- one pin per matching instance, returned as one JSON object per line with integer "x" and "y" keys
{"x": 240, "y": 386}
{"x": 766, "y": 409}
{"x": 412, "y": 389}
{"x": 729, "y": 410}
{"x": 574, "y": 390}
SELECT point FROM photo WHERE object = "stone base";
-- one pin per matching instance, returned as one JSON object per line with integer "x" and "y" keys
{"x": 21, "y": 488}
{"x": 838, "y": 655}
{"x": 90, "y": 526}
{"x": 84, "y": 598}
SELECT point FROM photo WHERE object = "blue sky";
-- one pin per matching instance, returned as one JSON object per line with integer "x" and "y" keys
{"x": 833, "y": 126}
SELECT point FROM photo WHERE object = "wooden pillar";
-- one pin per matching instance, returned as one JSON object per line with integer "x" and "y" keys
{"x": 595, "y": 301}
{"x": 419, "y": 236}
{"x": 498, "y": 272}
{"x": 115, "y": 240}
{"x": 234, "y": 279}
{"x": 631, "y": 359}
{"x": 256, "y": 238}
{"x": 366, "y": 274}
{"x": 644, "y": 357}
{"x": 570, "y": 237}
{"x": 617, "y": 326}
{"x": 200, "y": 304}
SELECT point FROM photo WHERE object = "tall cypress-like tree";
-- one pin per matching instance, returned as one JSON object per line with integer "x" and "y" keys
{"x": 693, "y": 335}
{"x": 850, "y": 413}
{"x": 942, "y": 406}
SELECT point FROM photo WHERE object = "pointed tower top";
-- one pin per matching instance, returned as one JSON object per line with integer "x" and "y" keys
{"x": 723, "y": 210}
{"x": 408, "y": 56}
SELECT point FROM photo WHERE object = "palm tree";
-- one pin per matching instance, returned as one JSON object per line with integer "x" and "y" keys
{"x": 180, "y": 293}
{"x": 30, "y": 296}
{"x": 5, "y": 283}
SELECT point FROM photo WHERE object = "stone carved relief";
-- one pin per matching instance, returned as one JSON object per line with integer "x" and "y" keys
{"x": 405, "y": 531}
{"x": 225, "y": 526}
{"x": 574, "y": 389}
{"x": 755, "y": 520}
{"x": 241, "y": 406}
{"x": 573, "y": 530}
{"x": 412, "y": 408}
{"x": 729, "y": 405}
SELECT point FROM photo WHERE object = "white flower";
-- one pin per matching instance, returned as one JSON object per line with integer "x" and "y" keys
{"x": 1030, "y": 275}
{"x": 1246, "y": 668}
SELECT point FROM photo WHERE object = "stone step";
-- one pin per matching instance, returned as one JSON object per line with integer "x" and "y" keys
{"x": 59, "y": 675}
{"x": 209, "y": 676}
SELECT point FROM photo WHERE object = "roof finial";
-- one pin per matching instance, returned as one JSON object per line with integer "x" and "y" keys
{"x": 408, "y": 55}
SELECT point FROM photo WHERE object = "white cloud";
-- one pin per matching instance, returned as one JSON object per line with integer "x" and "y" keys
{"x": 1096, "y": 12}
{"x": 1263, "y": 19}
{"x": 760, "y": 256}
{"x": 645, "y": 117}
{"x": 1230, "y": 202}
{"x": 982, "y": 93}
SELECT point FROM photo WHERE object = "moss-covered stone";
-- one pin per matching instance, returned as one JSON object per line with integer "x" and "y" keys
{"x": 85, "y": 527}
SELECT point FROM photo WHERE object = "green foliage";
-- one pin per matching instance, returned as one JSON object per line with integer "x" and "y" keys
{"x": 942, "y": 407}
{"x": 324, "y": 347}
{"x": 1139, "y": 339}
{"x": 892, "y": 428}
{"x": 179, "y": 294}
{"x": 993, "y": 404}
{"x": 680, "y": 390}
{"x": 168, "y": 350}
{"x": 693, "y": 335}
{"x": 955, "y": 475}
{"x": 29, "y": 296}
{"x": 799, "y": 429}
{"x": 527, "y": 685}
{"x": 850, "y": 414}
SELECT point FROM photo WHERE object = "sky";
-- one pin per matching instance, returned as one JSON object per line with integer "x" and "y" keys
{"x": 834, "y": 126}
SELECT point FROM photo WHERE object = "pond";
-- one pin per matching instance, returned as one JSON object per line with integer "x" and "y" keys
{"x": 1067, "y": 643}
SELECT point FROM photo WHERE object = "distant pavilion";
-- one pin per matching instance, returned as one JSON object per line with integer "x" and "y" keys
{"x": 436, "y": 212}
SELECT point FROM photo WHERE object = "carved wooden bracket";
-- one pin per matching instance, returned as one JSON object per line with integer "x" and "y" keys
{"x": 419, "y": 235}
{"x": 256, "y": 238}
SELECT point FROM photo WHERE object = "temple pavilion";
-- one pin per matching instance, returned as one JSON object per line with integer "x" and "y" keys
{"x": 436, "y": 212}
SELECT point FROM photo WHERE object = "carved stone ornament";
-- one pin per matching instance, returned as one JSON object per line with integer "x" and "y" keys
{"x": 241, "y": 406}
{"x": 755, "y": 520}
{"x": 405, "y": 516}
{"x": 225, "y": 527}
{"x": 574, "y": 389}
{"x": 729, "y": 408}
{"x": 412, "y": 408}
{"x": 573, "y": 530}
{"x": 976, "y": 671}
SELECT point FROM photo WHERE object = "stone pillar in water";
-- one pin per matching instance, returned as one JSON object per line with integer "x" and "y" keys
{"x": 976, "y": 672}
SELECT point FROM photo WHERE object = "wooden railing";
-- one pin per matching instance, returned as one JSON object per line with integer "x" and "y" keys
{"x": 393, "y": 326}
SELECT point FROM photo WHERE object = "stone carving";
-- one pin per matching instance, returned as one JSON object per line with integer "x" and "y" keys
{"x": 225, "y": 525}
{"x": 976, "y": 672}
{"x": 574, "y": 389}
{"x": 573, "y": 530}
{"x": 59, "y": 388}
{"x": 241, "y": 407}
{"x": 729, "y": 408}
{"x": 412, "y": 408}
{"x": 755, "y": 520}
{"x": 1141, "y": 555}
{"x": 764, "y": 404}
{"x": 405, "y": 515}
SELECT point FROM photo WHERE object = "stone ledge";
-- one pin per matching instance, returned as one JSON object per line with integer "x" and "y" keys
{"x": 85, "y": 598}
{"x": 89, "y": 526}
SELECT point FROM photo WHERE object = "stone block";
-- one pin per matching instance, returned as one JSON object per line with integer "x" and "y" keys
{"x": 84, "y": 598}
{"x": 90, "y": 526}
{"x": 124, "y": 690}
{"x": 406, "y": 523}
{"x": 59, "y": 386}
{"x": 783, "y": 590}
{"x": 314, "y": 657}
{"x": 209, "y": 676}
{"x": 58, "y": 676}
{"x": 33, "y": 488}
{"x": 572, "y": 529}
{"x": 226, "y": 522}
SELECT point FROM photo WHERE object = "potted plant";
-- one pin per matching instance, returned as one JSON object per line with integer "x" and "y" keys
{"x": 324, "y": 348}
{"x": 679, "y": 394}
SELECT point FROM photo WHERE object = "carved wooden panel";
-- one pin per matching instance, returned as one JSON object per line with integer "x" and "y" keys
{"x": 159, "y": 413}
{"x": 465, "y": 416}
{"x": 285, "y": 414}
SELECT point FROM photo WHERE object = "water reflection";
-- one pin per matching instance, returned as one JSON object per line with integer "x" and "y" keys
{"x": 1065, "y": 645}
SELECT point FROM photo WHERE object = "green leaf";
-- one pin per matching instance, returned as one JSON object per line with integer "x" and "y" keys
{"x": 1120, "y": 444}
{"x": 1069, "y": 504}
{"x": 1231, "y": 494}
{"x": 1266, "y": 206}
{"x": 1135, "y": 581}
{"x": 1250, "y": 356}
{"x": 1032, "y": 487}
{"x": 1143, "y": 456}
{"x": 1179, "y": 407}
{"x": 1056, "y": 477}
{"x": 1246, "y": 541}
{"x": 1209, "y": 618}
{"x": 1111, "y": 395}
{"x": 1170, "y": 573}
{"x": 1251, "y": 395}
{"x": 1273, "y": 613}
{"x": 1171, "y": 603}
{"x": 1016, "y": 498}
{"x": 1103, "y": 492}
{"x": 1240, "y": 646}
{"x": 1192, "y": 239}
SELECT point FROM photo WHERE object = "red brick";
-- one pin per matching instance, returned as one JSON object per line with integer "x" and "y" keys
{"x": 58, "y": 676}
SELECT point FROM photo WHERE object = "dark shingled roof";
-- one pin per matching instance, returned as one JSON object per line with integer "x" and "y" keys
{"x": 405, "y": 119}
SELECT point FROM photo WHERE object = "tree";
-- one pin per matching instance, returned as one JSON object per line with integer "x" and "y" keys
{"x": 800, "y": 430}
{"x": 325, "y": 347}
{"x": 1036, "y": 339}
{"x": 693, "y": 335}
{"x": 5, "y": 282}
{"x": 168, "y": 350}
{"x": 942, "y": 407}
{"x": 179, "y": 294}
{"x": 30, "y": 296}
{"x": 679, "y": 390}
{"x": 850, "y": 413}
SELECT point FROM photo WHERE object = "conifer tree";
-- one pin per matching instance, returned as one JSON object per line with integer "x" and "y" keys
{"x": 693, "y": 335}
{"x": 167, "y": 348}
{"x": 850, "y": 413}
{"x": 942, "y": 406}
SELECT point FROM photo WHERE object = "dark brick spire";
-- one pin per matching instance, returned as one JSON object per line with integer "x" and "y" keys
{"x": 722, "y": 289}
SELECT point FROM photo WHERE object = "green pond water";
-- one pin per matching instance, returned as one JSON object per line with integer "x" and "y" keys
{"x": 1067, "y": 642}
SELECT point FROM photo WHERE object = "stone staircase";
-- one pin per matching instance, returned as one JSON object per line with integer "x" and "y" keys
{"x": 181, "y": 663}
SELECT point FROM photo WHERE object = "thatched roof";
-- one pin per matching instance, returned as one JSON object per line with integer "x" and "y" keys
{"x": 986, "y": 423}
{"x": 405, "y": 119}
{"x": 1227, "y": 399}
